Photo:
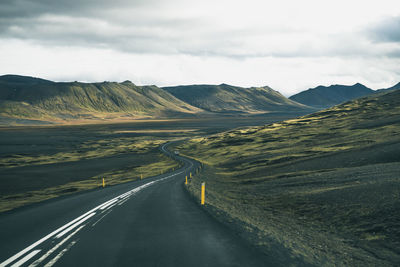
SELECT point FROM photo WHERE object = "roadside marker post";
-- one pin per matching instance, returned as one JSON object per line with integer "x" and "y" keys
{"x": 190, "y": 175}
{"x": 141, "y": 176}
{"x": 104, "y": 183}
{"x": 186, "y": 180}
{"x": 203, "y": 192}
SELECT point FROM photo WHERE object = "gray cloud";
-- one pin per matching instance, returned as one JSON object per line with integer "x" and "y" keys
{"x": 142, "y": 26}
{"x": 117, "y": 24}
{"x": 387, "y": 30}
{"x": 34, "y": 8}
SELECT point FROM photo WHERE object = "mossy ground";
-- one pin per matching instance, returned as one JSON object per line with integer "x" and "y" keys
{"x": 38, "y": 163}
{"x": 325, "y": 185}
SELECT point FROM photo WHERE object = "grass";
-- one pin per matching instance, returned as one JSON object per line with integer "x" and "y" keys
{"x": 47, "y": 162}
{"x": 87, "y": 150}
{"x": 38, "y": 163}
{"x": 326, "y": 186}
{"x": 163, "y": 164}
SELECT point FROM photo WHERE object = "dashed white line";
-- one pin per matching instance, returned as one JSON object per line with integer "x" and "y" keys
{"x": 26, "y": 258}
{"x": 110, "y": 203}
{"x": 77, "y": 221}
{"x": 41, "y": 259}
{"x": 123, "y": 201}
{"x": 108, "y": 212}
{"x": 22, "y": 252}
{"x": 59, "y": 255}
{"x": 75, "y": 225}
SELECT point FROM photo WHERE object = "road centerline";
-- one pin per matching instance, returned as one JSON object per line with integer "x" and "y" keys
{"x": 77, "y": 221}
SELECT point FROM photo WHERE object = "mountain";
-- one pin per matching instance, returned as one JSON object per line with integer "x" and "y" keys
{"x": 324, "y": 97}
{"x": 225, "y": 98}
{"x": 32, "y": 98}
{"x": 394, "y": 87}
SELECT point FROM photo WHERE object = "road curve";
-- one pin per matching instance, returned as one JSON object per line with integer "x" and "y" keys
{"x": 152, "y": 222}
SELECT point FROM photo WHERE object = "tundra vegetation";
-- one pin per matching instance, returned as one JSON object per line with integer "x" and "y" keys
{"x": 43, "y": 162}
{"x": 326, "y": 186}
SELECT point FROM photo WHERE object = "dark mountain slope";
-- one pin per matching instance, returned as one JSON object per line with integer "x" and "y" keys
{"x": 324, "y": 97}
{"x": 394, "y": 87}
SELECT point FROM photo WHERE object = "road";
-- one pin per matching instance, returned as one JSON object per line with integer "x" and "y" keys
{"x": 152, "y": 222}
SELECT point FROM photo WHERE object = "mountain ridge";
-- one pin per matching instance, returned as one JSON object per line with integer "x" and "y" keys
{"x": 328, "y": 96}
{"x": 227, "y": 98}
{"x": 23, "y": 97}
{"x": 27, "y": 97}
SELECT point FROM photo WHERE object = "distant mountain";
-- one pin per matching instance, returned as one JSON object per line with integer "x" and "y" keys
{"x": 27, "y": 98}
{"x": 225, "y": 98}
{"x": 324, "y": 97}
{"x": 395, "y": 87}
{"x": 21, "y": 80}
{"x": 33, "y": 98}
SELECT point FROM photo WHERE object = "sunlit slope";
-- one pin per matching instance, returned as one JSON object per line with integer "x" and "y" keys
{"x": 227, "y": 98}
{"x": 357, "y": 124}
{"x": 26, "y": 97}
{"x": 326, "y": 185}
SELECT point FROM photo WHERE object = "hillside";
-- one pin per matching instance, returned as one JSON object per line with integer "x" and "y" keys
{"x": 33, "y": 98}
{"x": 324, "y": 97}
{"x": 225, "y": 98}
{"x": 326, "y": 185}
{"x": 394, "y": 87}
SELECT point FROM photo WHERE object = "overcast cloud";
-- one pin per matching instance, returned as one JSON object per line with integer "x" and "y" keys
{"x": 288, "y": 45}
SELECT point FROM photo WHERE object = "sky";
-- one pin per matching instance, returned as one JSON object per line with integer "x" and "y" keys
{"x": 288, "y": 45}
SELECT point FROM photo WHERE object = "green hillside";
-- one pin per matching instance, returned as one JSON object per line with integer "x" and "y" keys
{"x": 324, "y": 97}
{"x": 26, "y": 97}
{"x": 326, "y": 186}
{"x": 225, "y": 98}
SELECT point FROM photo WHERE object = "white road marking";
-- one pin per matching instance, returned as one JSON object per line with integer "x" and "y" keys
{"x": 133, "y": 191}
{"x": 75, "y": 225}
{"x": 108, "y": 212}
{"x": 110, "y": 203}
{"x": 22, "y": 252}
{"x": 123, "y": 201}
{"x": 110, "y": 207}
{"x": 41, "y": 259}
{"x": 26, "y": 258}
{"x": 59, "y": 255}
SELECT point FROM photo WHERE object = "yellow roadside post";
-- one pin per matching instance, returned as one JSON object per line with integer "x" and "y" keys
{"x": 190, "y": 175}
{"x": 141, "y": 176}
{"x": 104, "y": 183}
{"x": 203, "y": 192}
{"x": 186, "y": 180}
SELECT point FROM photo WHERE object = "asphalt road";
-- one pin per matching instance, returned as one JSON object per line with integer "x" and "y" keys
{"x": 152, "y": 222}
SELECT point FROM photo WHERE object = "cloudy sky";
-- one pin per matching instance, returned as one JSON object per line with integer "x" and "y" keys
{"x": 288, "y": 45}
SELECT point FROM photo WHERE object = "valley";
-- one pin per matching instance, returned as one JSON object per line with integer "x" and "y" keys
{"x": 44, "y": 162}
{"x": 297, "y": 182}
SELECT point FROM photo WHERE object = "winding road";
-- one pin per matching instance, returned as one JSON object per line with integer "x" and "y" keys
{"x": 151, "y": 222}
